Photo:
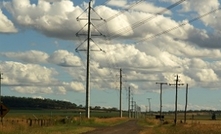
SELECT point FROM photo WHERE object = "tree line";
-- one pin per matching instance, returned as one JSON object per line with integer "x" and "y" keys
{"x": 13, "y": 102}
{"x": 35, "y": 103}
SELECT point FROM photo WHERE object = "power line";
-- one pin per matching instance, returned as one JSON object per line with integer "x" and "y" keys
{"x": 120, "y": 13}
{"x": 178, "y": 26}
{"x": 143, "y": 21}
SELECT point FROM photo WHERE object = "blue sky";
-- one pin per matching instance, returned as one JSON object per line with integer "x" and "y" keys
{"x": 38, "y": 57}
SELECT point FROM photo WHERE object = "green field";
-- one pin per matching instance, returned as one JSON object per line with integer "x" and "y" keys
{"x": 51, "y": 113}
{"x": 69, "y": 121}
{"x": 55, "y": 121}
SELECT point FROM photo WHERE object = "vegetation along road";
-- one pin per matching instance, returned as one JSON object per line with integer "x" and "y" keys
{"x": 129, "y": 127}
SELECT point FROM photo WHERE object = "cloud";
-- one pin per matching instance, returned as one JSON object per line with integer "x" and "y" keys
{"x": 136, "y": 62}
{"x": 52, "y": 19}
{"x": 168, "y": 107}
{"x": 118, "y": 3}
{"x": 35, "y": 79}
{"x": 150, "y": 8}
{"x": 74, "y": 86}
{"x": 59, "y": 57}
{"x": 27, "y": 74}
{"x": 192, "y": 50}
{"x": 31, "y": 56}
{"x": 6, "y": 26}
{"x": 64, "y": 58}
{"x": 58, "y": 19}
{"x": 38, "y": 97}
{"x": 33, "y": 90}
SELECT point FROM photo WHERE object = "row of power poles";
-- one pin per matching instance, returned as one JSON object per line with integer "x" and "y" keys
{"x": 176, "y": 84}
{"x": 134, "y": 106}
{"x": 134, "y": 111}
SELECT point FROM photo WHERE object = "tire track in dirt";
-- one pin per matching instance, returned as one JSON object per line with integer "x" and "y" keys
{"x": 129, "y": 127}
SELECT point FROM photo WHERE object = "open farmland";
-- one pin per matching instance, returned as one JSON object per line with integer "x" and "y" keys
{"x": 54, "y": 121}
{"x": 65, "y": 122}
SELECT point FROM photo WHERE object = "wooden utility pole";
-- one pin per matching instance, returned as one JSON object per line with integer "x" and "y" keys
{"x": 120, "y": 93}
{"x": 161, "y": 84}
{"x": 176, "y": 84}
{"x": 129, "y": 102}
{"x": 135, "y": 109}
{"x": 149, "y": 105}
{"x": 132, "y": 107}
{"x": 186, "y": 103}
{"x": 1, "y": 87}
{"x": 1, "y": 95}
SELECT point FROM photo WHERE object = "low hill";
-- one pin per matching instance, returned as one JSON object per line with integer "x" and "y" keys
{"x": 35, "y": 103}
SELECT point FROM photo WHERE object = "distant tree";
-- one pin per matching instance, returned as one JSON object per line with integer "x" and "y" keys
{"x": 113, "y": 109}
{"x": 97, "y": 107}
{"x": 80, "y": 106}
{"x": 36, "y": 103}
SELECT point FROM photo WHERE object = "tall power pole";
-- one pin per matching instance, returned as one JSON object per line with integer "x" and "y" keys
{"x": 161, "y": 84}
{"x": 121, "y": 93}
{"x": 89, "y": 23}
{"x": 176, "y": 84}
{"x": 88, "y": 63}
{"x": 129, "y": 102}
{"x": 186, "y": 103}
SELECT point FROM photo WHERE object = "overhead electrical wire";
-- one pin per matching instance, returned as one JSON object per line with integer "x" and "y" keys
{"x": 119, "y": 13}
{"x": 178, "y": 26}
{"x": 143, "y": 21}
{"x": 111, "y": 18}
{"x": 105, "y": 20}
{"x": 137, "y": 24}
{"x": 106, "y": 2}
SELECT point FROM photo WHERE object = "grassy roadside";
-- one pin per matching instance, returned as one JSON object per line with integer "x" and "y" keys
{"x": 152, "y": 126}
{"x": 75, "y": 126}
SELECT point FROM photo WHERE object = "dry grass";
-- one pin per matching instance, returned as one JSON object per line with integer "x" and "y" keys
{"x": 110, "y": 121}
{"x": 191, "y": 127}
{"x": 76, "y": 126}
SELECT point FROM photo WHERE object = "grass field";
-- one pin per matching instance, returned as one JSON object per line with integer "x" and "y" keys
{"x": 67, "y": 121}
{"x": 205, "y": 127}
{"x": 200, "y": 123}
{"x": 55, "y": 122}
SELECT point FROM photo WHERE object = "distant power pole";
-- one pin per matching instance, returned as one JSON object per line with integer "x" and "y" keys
{"x": 176, "y": 84}
{"x": 186, "y": 103}
{"x": 135, "y": 109}
{"x": 1, "y": 87}
{"x": 161, "y": 84}
{"x": 1, "y": 94}
{"x": 129, "y": 102}
{"x": 121, "y": 93}
{"x": 132, "y": 107}
{"x": 149, "y": 105}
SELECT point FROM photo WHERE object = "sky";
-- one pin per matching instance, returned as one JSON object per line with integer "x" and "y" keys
{"x": 43, "y": 51}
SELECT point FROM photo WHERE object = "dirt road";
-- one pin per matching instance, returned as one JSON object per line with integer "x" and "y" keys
{"x": 129, "y": 127}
